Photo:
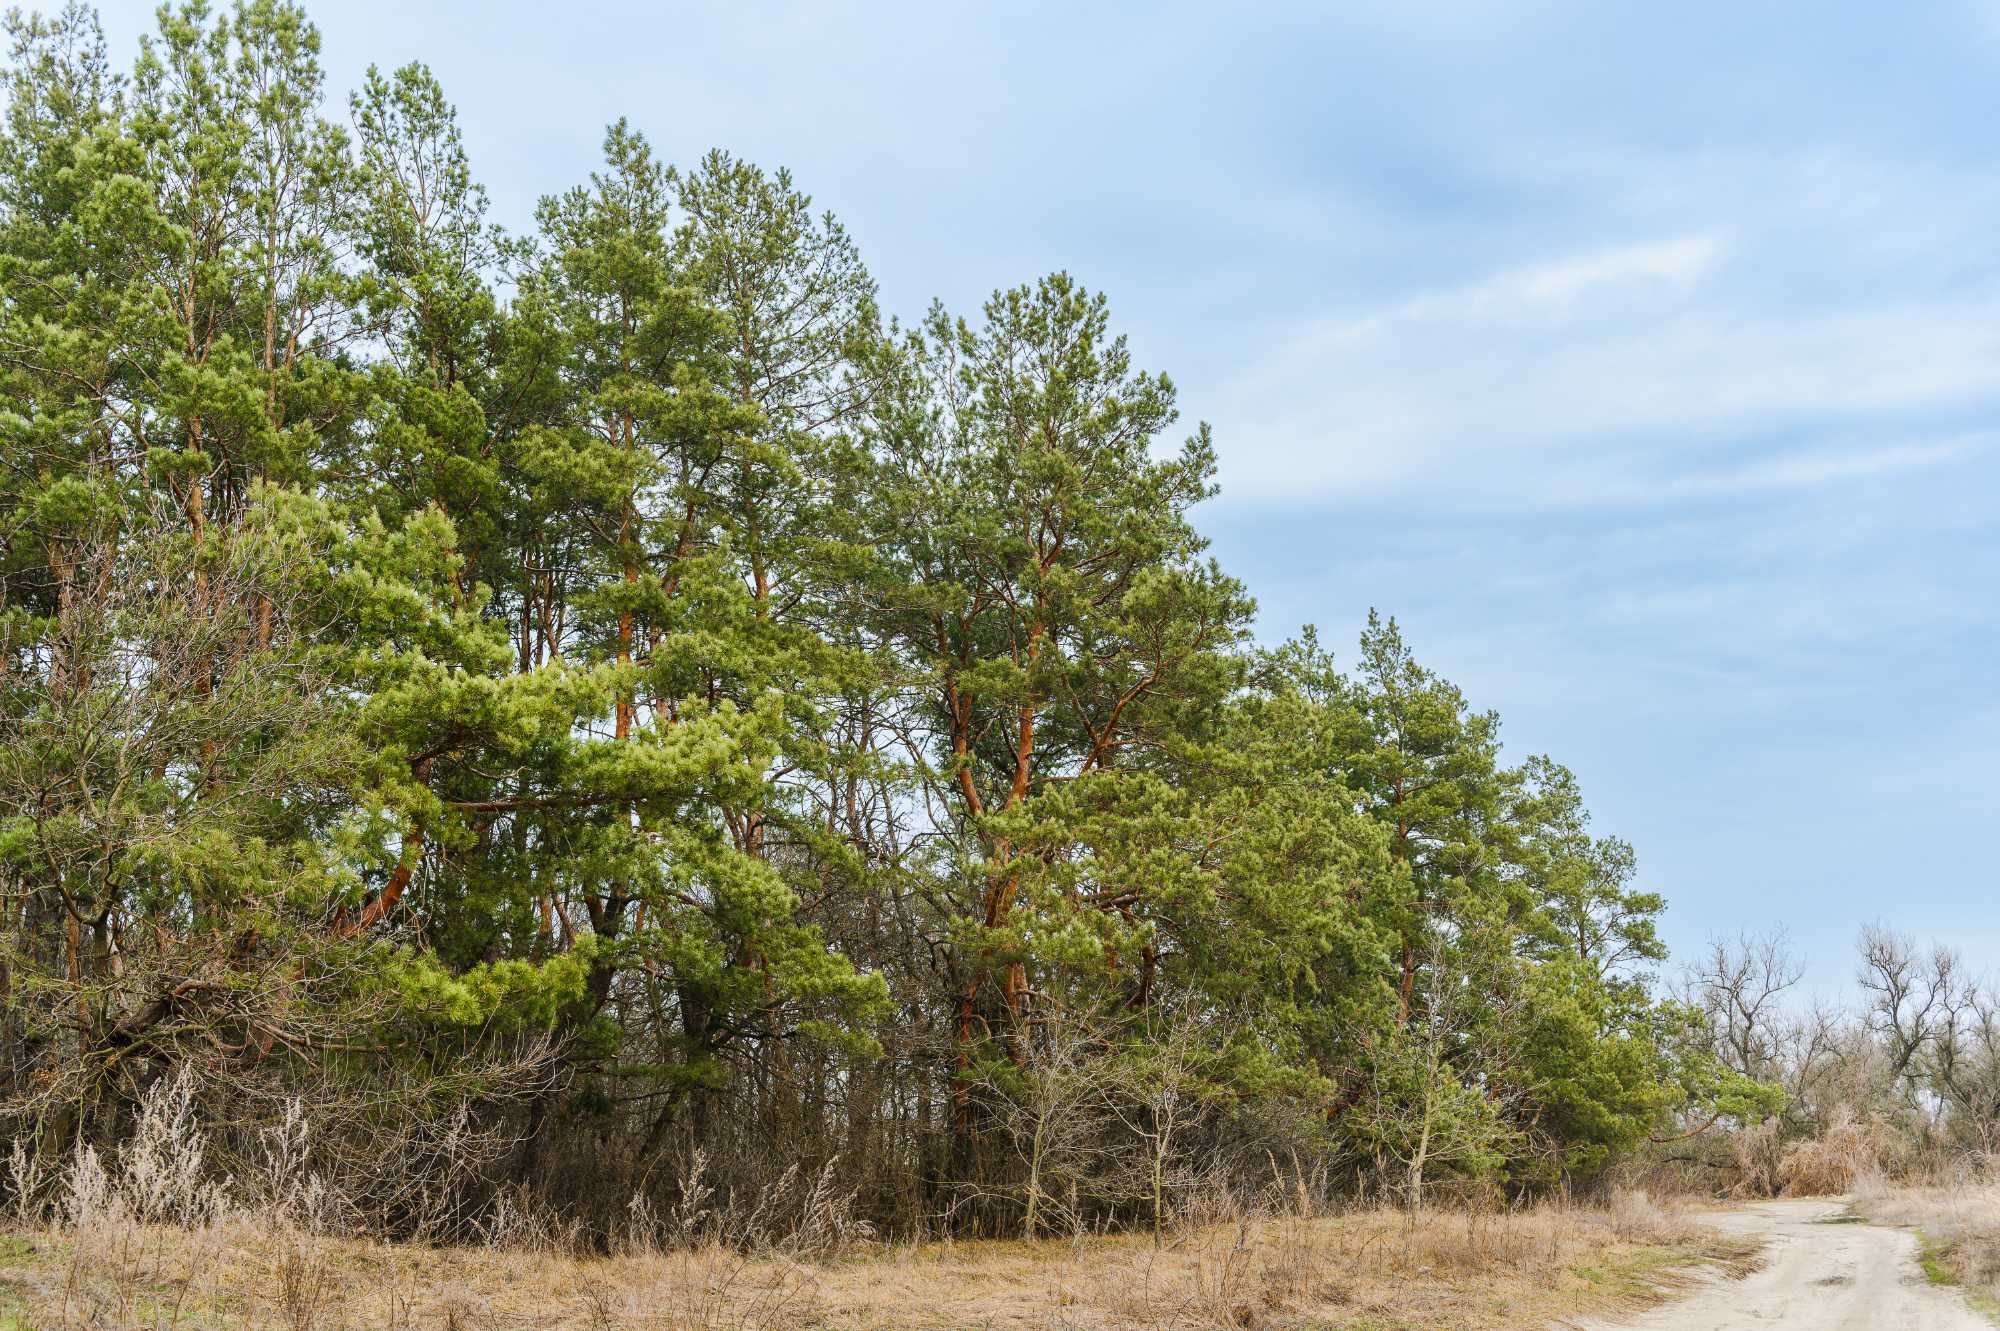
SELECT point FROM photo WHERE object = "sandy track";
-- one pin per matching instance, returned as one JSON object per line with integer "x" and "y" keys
{"x": 1816, "y": 1277}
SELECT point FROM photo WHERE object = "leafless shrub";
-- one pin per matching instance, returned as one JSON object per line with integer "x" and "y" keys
{"x": 90, "y": 1198}
{"x": 28, "y": 1184}
{"x": 1760, "y": 1154}
{"x": 148, "y": 1221}
{"x": 289, "y": 1188}
{"x": 1848, "y": 1152}
{"x": 1159, "y": 1102}
{"x": 691, "y": 1211}
{"x": 826, "y": 1222}
{"x": 162, "y": 1174}
{"x": 1056, "y": 1115}
{"x": 1636, "y": 1216}
{"x": 799, "y": 1216}
{"x": 307, "y": 1284}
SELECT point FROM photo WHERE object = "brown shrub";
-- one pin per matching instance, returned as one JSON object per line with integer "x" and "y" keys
{"x": 1760, "y": 1160}
{"x": 1847, "y": 1152}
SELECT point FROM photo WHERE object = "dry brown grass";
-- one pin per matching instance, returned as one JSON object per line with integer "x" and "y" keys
{"x": 1959, "y": 1226}
{"x": 1376, "y": 1269}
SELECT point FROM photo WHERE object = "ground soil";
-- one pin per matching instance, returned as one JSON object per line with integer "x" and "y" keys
{"x": 1824, "y": 1269}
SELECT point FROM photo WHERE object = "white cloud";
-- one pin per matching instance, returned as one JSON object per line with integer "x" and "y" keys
{"x": 1678, "y": 261}
{"x": 1617, "y": 370}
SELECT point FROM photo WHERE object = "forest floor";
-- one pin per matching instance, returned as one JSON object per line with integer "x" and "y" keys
{"x": 1383, "y": 1271}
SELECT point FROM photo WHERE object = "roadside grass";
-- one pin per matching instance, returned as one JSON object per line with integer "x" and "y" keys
{"x": 1365, "y": 1271}
{"x": 1958, "y": 1236}
{"x": 1948, "y": 1264}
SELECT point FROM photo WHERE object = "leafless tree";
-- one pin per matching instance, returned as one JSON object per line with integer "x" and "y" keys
{"x": 1741, "y": 984}
{"x": 1163, "y": 1099}
{"x": 1964, "y": 1065}
{"x": 1423, "y": 1114}
{"x": 1057, "y": 1114}
{"x": 1907, "y": 996}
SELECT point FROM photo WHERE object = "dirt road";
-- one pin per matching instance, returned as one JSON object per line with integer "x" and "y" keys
{"x": 1817, "y": 1276}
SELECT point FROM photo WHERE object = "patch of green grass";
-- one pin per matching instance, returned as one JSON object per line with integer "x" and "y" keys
{"x": 1940, "y": 1268}
{"x": 1629, "y": 1274}
{"x": 1619, "y": 1279}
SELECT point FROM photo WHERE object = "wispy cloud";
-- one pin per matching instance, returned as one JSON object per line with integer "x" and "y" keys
{"x": 1797, "y": 470}
{"x": 1678, "y": 262}
{"x": 1618, "y": 370}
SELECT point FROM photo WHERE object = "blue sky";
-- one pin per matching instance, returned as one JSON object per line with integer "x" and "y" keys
{"x": 1643, "y": 359}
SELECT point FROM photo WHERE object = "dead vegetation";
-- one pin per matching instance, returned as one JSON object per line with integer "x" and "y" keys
{"x": 1850, "y": 1151}
{"x": 1263, "y": 1267}
{"x": 152, "y": 1238}
{"x": 157, "y": 1236}
{"x": 1958, "y": 1224}
{"x": 1847, "y": 1152}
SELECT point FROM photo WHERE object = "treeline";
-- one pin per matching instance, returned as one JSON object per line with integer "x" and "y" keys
{"x": 603, "y": 719}
{"x": 1901, "y": 1080}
